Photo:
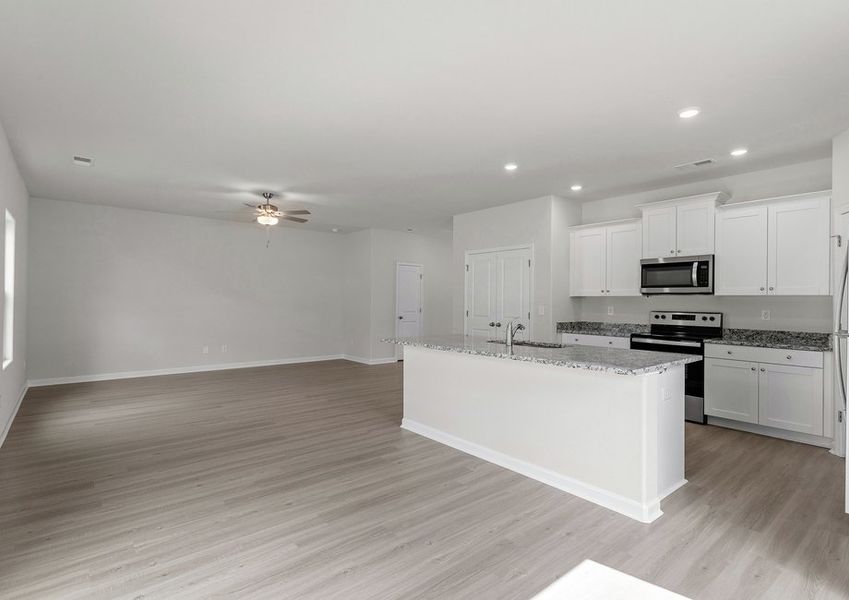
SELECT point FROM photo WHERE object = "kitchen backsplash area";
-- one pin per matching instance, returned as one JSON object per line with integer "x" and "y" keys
{"x": 793, "y": 313}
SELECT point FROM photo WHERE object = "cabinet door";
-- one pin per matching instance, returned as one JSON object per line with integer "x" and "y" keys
{"x": 659, "y": 237}
{"x": 623, "y": 259}
{"x": 695, "y": 228}
{"x": 587, "y": 262}
{"x": 791, "y": 398}
{"x": 741, "y": 251}
{"x": 731, "y": 389}
{"x": 798, "y": 247}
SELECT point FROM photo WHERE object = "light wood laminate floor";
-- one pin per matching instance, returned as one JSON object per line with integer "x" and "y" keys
{"x": 297, "y": 482}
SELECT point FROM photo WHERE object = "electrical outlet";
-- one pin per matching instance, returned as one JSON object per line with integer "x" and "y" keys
{"x": 224, "y": 348}
{"x": 609, "y": 310}
{"x": 765, "y": 315}
{"x": 205, "y": 350}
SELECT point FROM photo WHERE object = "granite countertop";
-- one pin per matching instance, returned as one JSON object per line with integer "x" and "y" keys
{"x": 600, "y": 328}
{"x": 608, "y": 360}
{"x": 786, "y": 340}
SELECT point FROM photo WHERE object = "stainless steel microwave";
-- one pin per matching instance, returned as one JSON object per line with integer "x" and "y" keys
{"x": 677, "y": 275}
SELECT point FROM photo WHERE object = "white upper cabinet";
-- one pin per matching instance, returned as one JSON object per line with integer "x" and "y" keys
{"x": 623, "y": 259}
{"x": 681, "y": 227}
{"x": 605, "y": 259}
{"x": 740, "y": 262}
{"x": 659, "y": 236}
{"x": 798, "y": 247}
{"x": 587, "y": 262}
{"x": 774, "y": 247}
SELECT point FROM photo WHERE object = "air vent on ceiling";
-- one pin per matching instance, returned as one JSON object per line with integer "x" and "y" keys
{"x": 83, "y": 161}
{"x": 705, "y": 162}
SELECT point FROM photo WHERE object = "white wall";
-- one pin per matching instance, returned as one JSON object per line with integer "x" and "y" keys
{"x": 799, "y": 313}
{"x": 117, "y": 290}
{"x": 840, "y": 170}
{"x": 15, "y": 199}
{"x": 357, "y": 295}
{"x": 389, "y": 248}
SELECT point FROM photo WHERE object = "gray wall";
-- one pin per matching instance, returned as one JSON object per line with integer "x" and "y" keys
{"x": 799, "y": 313}
{"x": 117, "y": 290}
{"x": 15, "y": 199}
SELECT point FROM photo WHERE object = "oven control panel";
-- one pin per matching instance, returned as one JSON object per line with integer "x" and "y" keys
{"x": 686, "y": 319}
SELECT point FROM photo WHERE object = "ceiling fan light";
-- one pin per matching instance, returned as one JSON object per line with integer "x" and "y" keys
{"x": 267, "y": 220}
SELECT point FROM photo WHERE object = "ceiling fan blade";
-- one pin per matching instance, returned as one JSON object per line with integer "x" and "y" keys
{"x": 295, "y": 219}
{"x": 296, "y": 212}
{"x": 249, "y": 204}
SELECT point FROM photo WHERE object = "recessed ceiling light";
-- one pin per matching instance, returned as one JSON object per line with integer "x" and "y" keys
{"x": 739, "y": 151}
{"x": 577, "y": 187}
{"x": 335, "y": 230}
{"x": 410, "y": 229}
{"x": 511, "y": 167}
{"x": 689, "y": 113}
{"x": 83, "y": 161}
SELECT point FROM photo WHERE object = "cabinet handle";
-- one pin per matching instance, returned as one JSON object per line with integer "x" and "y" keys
{"x": 498, "y": 324}
{"x": 610, "y": 343}
{"x": 729, "y": 352}
{"x": 672, "y": 251}
{"x": 762, "y": 289}
{"x": 492, "y": 323}
{"x": 602, "y": 291}
{"x": 608, "y": 291}
{"x": 771, "y": 288}
{"x": 754, "y": 369}
{"x": 762, "y": 370}
{"x": 789, "y": 357}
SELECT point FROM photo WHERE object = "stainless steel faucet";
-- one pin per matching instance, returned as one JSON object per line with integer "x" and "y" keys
{"x": 511, "y": 331}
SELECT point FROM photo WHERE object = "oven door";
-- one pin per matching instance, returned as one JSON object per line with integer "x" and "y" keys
{"x": 680, "y": 275}
{"x": 694, "y": 373}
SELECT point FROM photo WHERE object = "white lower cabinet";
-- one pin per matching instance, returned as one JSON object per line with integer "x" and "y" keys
{"x": 606, "y": 341}
{"x": 790, "y": 398}
{"x": 731, "y": 389}
{"x": 782, "y": 396}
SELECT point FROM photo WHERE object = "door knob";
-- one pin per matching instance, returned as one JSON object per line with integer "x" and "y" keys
{"x": 498, "y": 324}
{"x": 492, "y": 323}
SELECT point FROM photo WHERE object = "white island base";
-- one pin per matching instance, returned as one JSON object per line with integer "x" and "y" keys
{"x": 615, "y": 440}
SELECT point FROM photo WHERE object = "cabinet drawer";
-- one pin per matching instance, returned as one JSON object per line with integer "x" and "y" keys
{"x": 582, "y": 339}
{"x": 799, "y": 358}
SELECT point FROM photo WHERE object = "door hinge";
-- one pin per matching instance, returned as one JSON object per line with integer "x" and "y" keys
{"x": 467, "y": 268}
{"x": 529, "y": 315}
{"x": 839, "y": 416}
{"x": 467, "y": 313}
{"x": 421, "y": 276}
{"x": 529, "y": 263}
{"x": 420, "y": 310}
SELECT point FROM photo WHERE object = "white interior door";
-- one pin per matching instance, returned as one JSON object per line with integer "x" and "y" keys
{"x": 480, "y": 294}
{"x": 409, "y": 311}
{"x": 513, "y": 281}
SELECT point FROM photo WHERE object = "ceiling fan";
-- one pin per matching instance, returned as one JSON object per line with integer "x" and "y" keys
{"x": 268, "y": 214}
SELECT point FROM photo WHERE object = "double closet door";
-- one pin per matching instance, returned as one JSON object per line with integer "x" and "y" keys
{"x": 498, "y": 290}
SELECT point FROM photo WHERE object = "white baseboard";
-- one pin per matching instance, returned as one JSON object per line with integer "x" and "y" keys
{"x": 15, "y": 410}
{"x": 645, "y": 513}
{"x": 792, "y": 436}
{"x": 369, "y": 361}
{"x": 181, "y": 370}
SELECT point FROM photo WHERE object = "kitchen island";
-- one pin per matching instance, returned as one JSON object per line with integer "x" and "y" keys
{"x": 605, "y": 424}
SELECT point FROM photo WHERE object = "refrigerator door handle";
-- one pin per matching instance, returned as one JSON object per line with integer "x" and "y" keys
{"x": 841, "y": 328}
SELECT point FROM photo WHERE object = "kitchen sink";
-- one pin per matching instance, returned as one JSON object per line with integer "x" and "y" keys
{"x": 529, "y": 343}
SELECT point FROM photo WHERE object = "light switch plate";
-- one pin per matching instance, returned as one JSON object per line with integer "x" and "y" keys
{"x": 609, "y": 310}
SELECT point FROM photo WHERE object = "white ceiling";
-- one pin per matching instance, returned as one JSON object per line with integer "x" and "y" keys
{"x": 391, "y": 114}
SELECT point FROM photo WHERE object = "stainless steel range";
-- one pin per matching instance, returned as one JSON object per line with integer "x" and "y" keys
{"x": 683, "y": 332}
